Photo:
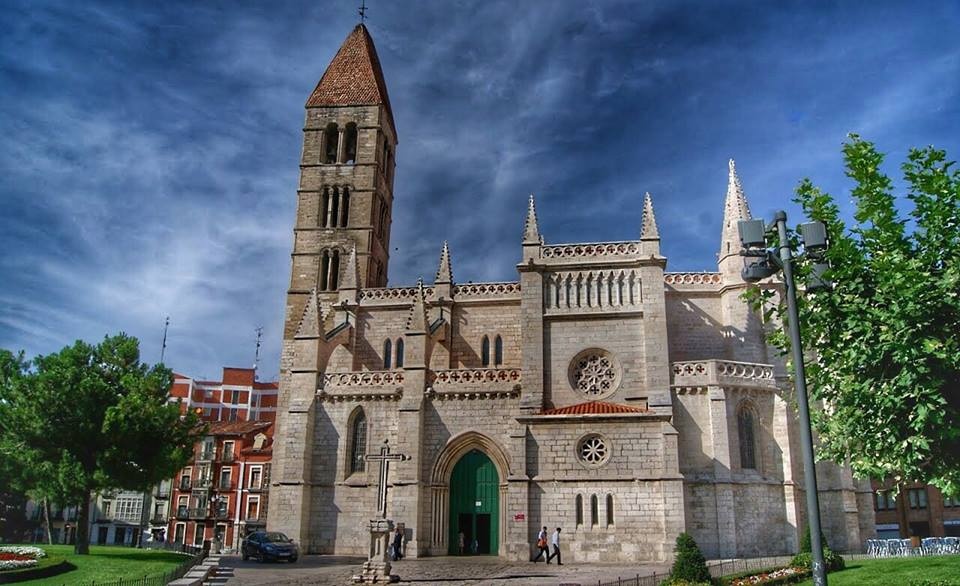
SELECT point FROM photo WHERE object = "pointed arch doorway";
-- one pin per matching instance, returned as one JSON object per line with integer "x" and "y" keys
{"x": 474, "y": 505}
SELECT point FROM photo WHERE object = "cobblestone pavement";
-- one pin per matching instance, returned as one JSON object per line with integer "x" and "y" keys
{"x": 440, "y": 571}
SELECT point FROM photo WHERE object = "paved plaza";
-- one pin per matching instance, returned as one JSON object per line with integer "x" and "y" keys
{"x": 446, "y": 571}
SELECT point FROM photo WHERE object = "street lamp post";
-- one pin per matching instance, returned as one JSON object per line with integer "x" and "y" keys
{"x": 752, "y": 236}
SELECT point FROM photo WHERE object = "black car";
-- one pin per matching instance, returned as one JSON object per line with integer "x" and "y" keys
{"x": 269, "y": 545}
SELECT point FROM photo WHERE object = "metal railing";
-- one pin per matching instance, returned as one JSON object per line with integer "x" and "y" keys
{"x": 184, "y": 484}
{"x": 228, "y": 457}
{"x": 196, "y": 555}
{"x": 201, "y": 483}
{"x": 206, "y": 455}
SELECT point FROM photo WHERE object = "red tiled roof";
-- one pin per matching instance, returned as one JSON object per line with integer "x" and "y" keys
{"x": 237, "y": 427}
{"x": 354, "y": 76}
{"x": 594, "y": 408}
{"x": 266, "y": 386}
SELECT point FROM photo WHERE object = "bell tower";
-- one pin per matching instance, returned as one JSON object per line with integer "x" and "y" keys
{"x": 345, "y": 195}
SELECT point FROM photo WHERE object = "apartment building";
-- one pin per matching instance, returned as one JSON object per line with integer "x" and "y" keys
{"x": 222, "y": 495}
{"x": 237, "y": 397}
{"x": 919, "y": 510}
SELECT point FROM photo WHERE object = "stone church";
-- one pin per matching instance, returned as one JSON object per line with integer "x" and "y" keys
{"x": 596, "y": 392}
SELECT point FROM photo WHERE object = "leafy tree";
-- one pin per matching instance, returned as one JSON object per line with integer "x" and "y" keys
{"x": 689, "y": 565}
{"x": 884, "y": 341}
{"x": 94, "y": 418}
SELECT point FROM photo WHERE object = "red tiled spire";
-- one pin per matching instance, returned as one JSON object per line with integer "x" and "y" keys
{"x": 354, "y": 76}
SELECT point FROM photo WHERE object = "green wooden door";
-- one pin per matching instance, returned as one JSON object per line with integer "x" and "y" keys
{"x": 475, "y": 505}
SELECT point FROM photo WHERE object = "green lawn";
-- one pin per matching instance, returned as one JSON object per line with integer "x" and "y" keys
{"x": 896, "y": 571}
{"x": 107, "y": 563}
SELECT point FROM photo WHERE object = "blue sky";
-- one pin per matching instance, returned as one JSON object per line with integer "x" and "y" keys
{"x": 148, "y": 161}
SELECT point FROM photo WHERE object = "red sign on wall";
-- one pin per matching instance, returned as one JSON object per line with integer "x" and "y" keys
{"x": 519, "y": 517}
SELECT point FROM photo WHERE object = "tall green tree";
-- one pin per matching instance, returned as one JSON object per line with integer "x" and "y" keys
{"x": 94, "y": 418}
{"x": 884, "y": 341}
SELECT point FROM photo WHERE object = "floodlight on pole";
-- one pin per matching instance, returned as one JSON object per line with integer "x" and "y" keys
{"x": 753, "y": 238}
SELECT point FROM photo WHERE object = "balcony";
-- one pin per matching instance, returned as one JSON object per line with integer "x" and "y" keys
{"x": 206, "y": 455}
{"x": 228, "y": 457}
{"x": 202, "y": 484}
{"x": 184, "y": 484}
{"x": 256, "y": 520}
{"x": 183, "y": 513}
{"x": 221, "y": 514}
{"x": 257, "y": 488}
{"x": 201, "y": 513}
{"x": 164, "y": 493}
{"x": 226, "y": 486}
{"x": 158, "y": 520}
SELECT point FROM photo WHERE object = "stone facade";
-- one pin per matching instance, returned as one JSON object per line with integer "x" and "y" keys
{"x": 616, "y": 400}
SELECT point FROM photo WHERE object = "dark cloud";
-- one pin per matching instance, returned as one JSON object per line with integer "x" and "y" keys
{"x": 149, "y": 153}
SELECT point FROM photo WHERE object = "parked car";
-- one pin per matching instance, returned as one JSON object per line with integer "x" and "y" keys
{"x": 269, "y": 545}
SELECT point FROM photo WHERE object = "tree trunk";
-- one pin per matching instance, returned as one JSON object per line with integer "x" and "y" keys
{"x": 902, "y": 518}
{"x": 46, "y": 520}
{"x": 82, "y": 544}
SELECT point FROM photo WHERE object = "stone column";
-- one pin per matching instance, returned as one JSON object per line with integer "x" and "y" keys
{"x": 726, "y": 516}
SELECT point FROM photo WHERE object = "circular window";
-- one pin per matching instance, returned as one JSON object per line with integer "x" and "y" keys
{"x": 595, "y": 373}
{"x": 593, "y": 450}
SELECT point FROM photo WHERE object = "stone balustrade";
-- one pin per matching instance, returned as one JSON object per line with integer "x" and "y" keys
{"x": 470, "y": 383}
{"x": 692, "y": 280}
{"x": 591, "y": 250}
{"x": 487, "y": 290}
{"x": 723, "y": 373}
{"x": 391, "y": 294}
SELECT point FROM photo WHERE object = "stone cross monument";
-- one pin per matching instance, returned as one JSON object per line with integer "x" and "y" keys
{"x": 376, "y": 569}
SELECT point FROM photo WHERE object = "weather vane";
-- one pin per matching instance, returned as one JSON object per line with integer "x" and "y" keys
{"x": 363, "y": 10}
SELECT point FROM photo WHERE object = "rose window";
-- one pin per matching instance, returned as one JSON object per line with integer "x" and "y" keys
{"x": 593, "y": 450}
{"x": 595, "y": 373}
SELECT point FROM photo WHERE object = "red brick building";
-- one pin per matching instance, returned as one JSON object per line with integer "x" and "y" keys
{"x": 222, "y": 494}
{"x": 919, "y": 510}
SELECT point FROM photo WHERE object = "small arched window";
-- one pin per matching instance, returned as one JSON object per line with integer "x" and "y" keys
{"x": 350, "y": 144}
{"x": 485, "y": 351}
{"x": 747, "y": 435}
{"x": 498, "y": 351}
{"x": 334, "y": 276}
{"x": 345, "y": 208}
{"x": 324, "y": 208}
{"x": 334, "y": 208}
{"x": 387, "y": 351}
{"x": 358, "y": 439}
{"x": 332, "y": 142}
{"x": 594, "y": 513}
{"x": 324, "y": 269}
{"x": 609, "y": 510}
{"x": 399, "y": 352}
{"x": 579, "y": 510}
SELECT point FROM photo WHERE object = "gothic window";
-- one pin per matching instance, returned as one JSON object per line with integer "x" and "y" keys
{"x": 358, "y": 441}
{"x": 498, "y": 351}
{"x": 350, "y": 144}
{"x": 399, "y": 352}
{"x": 579, "y": 510}
{"x": 592, "y": 450}
{"x": 595, "y": 373}
{"x": 334, "y": 208}
{"x": 387, "y": 351}
{"x": 747, "y": 436}
{"x": 324, "y": 207}
{"x": 329, "y": 270}
{"x": 332, "y": 143}
{"x": 609, "y": 510}
{"x": 485, "y": 351}
{"x": 594, "y": 513}
{"x": 345, "y": 208}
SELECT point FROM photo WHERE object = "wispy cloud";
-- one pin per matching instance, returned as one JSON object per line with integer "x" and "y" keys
{"x": 149, "y": 153}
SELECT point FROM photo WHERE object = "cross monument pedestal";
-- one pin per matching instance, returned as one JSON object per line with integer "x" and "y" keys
{"x": 376, "y": 570}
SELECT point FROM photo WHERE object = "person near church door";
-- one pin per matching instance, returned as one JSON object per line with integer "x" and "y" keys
{"x": 397, "y": 544}
{"x": 542, "y": 549}
{"x": 555, "y": 539}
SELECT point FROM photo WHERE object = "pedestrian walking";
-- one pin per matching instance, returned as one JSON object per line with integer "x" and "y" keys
{"x": 460, "y": 540}
{"x": 542, "y": 549}
{"x": 555, "y": 539}
{"x": 397, "y": 544}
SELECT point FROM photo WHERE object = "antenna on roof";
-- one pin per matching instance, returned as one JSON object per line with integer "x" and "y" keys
{"x": 163, "y": 347}
{"x": 256, "y": 360}
{"x": 362, "y": 10}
